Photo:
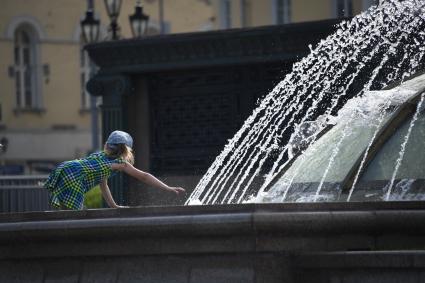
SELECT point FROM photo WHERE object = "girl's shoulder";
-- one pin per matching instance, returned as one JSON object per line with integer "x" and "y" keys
{"x": 95, "y": 155}
{"x": 112, "y": 159}
{"x": 99, "y": 156}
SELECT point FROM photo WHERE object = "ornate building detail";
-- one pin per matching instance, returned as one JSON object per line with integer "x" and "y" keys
{"x": 261, "y": 44}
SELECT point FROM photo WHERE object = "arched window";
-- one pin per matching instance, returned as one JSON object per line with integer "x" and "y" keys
{"x": 25, "y": 67}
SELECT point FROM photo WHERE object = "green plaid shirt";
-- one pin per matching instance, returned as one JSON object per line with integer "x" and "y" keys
{"x": 72, "y": 179}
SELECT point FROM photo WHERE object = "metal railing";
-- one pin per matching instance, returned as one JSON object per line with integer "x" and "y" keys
{"x": 23, "y": 193}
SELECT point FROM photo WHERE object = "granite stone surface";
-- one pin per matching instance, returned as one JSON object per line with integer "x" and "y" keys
{"x": 338, "y": 242}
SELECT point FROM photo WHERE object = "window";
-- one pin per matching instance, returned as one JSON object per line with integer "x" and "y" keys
{"x": 84, "y": 78}
{"x": 226, "y": 14}
{"x": 245, "y": 7}
{"x": 155, "y": 28}
{"x": 283, "y": 11}
{"x": 25, "y": 69}
{"x": 87, "y": 70}
{"x": 343, "y": 8}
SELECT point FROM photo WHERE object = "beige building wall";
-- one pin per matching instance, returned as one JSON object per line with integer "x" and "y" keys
{"x": 261, "y": 14}
{"x": 307, "y": 10}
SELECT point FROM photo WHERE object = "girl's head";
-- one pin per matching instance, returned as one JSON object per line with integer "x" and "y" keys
{"x": 118, "y": 145}
{"x": 119, "y": 150}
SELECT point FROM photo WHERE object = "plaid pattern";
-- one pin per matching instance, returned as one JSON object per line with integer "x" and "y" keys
{"x": 72, "y": 179}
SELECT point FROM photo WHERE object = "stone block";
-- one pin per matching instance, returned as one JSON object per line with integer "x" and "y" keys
{"x": 152, "y": 269}
{"x": 21, "y": 272}
{"x": 380, "y": 276}
{"x": 273, "y": 268}
{"x": 315, "y": 276}
{"x": 62, "y": 270}
{"x": 100, "y": 270}
{"x": 222, "y": 268}
{"x": 400, "y": 241}
{"x": 221, "y": 275}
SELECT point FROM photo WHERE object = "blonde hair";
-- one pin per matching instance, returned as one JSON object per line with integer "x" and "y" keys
{"x": 119, "y": 150}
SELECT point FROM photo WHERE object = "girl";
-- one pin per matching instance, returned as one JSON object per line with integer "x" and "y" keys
{"x": 72, "y": 179}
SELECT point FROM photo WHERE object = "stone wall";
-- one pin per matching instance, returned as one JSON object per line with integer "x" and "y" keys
{"x": 339, "y": 242}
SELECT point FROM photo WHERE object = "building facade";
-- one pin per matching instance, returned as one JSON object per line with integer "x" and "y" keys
{"x": 252, "y": 13}
{"x": 44, "y": 106}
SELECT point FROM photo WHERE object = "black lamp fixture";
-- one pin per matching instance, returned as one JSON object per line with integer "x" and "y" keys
{"x": 90, "y": 27}
{"x": 138, "y": 21}
{"x": 113, "y": 8}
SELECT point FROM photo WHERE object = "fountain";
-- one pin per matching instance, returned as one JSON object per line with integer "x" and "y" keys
{"x": 320, "y": 167}
{"x": 378, "y": 47}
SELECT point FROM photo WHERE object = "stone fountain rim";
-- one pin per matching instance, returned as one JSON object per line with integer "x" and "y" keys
{"x": 152, "y": 211}
{"x": 240, "y": 228}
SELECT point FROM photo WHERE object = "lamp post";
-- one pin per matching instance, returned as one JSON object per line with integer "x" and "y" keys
{"x": 113, "y": 8}
{"x": 138, "y": 21}
{"x": 90, "y": 29}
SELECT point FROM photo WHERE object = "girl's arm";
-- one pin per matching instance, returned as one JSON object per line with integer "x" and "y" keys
{"x": 145, "y": 177}
{"x": 106, "y": 193}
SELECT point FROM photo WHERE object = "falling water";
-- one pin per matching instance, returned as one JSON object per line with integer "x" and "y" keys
{"x": 375, "y": 48}
{"x": 403, "y": 147}
{"x": 413, "y": 62}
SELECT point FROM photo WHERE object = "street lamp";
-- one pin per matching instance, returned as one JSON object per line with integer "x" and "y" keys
{"x": 113, "y": 8}
{"x": 90, "y": 27}
{"x": 138, "y": 21}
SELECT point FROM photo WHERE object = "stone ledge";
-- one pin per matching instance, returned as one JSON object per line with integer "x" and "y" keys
{"x": 220, "y": 220}
{"x": 210, "y": 209}
{"x": 213, "y": 229}
{"x": 363, "y": 259}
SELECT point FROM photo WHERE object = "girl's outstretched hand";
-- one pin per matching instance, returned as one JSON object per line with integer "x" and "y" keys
{"x": 177, "y": 190}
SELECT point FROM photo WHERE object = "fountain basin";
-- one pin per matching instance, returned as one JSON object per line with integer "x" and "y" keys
{"x": 229, "y": 243}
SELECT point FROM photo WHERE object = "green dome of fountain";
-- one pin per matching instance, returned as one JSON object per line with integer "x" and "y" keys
{"x": 372, "y": 150}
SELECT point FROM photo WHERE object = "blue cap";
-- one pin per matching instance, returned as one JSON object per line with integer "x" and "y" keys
{"x": 117, "y": 137}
